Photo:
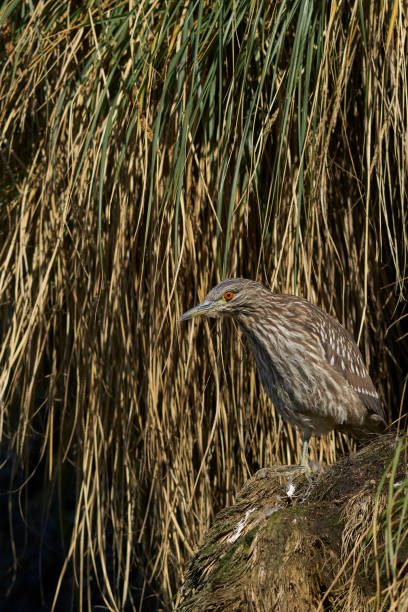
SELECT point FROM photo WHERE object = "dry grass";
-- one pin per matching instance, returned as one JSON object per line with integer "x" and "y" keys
{"x": 375, "y": 544}
{"x": 149, "y": 150}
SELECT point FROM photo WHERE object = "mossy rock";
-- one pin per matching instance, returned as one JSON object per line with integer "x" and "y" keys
{"x": 281, "y": 548}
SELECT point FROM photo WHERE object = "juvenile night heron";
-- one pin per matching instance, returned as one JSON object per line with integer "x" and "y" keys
{"x": 309, "y": 365}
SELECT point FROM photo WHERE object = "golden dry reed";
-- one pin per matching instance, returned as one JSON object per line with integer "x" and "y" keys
{"x": 147, "y": 151}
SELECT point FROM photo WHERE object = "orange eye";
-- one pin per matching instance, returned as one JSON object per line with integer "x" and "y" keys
{"x": 228, "y": 295}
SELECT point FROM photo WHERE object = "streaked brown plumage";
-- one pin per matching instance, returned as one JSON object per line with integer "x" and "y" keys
{"x": 309, "y": 365}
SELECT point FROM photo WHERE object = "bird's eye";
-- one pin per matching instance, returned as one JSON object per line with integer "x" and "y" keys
{"x": 228, "y": 295}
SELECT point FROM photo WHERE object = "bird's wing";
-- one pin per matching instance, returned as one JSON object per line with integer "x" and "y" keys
{"x": 344, "y": 356}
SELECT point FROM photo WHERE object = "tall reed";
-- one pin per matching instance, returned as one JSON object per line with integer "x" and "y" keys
{"x": 149, "y": 150}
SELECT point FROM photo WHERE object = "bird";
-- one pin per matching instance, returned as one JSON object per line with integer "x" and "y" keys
{"x": 308, "y": 363}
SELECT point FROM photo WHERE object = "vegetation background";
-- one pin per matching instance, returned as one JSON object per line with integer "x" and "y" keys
{"x": 148, "y": 150}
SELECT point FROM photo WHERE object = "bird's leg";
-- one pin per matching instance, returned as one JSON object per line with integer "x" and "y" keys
{"x": 294, "y": 470}
{"x": 304, "y": 466}
{"x": 305, "y": 462}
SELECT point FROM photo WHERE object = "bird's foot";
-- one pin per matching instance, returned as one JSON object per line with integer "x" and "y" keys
{"x": 292, "y": 470}
{"x": 297, "y": 477}
{"x": 295, "y": 474}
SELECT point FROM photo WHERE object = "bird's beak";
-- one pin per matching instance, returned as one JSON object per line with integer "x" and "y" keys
{"x": 204, "y": 308}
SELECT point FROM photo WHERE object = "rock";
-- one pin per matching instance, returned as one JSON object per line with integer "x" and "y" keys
{"x": 286, "y": 546}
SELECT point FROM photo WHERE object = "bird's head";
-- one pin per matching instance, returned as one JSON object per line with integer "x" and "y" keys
{"x": 231, "y": 297}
